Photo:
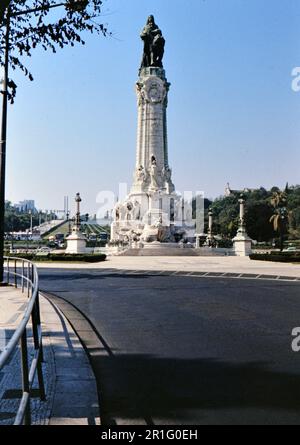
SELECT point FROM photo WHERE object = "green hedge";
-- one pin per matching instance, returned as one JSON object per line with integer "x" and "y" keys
{"x": 277, "y": 257}
{"x": 84, "y": 258}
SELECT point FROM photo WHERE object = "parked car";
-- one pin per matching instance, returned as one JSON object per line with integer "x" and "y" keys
{"x": 44, "y": 250}
{"x": 291, "y": 249}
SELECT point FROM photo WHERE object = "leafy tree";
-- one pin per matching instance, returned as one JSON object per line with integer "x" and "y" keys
{"x": 43, "y": 29}
{"x": 3, "y": 5}
{"x": 226, "y": 216}
{"x": 16, "y": 221}
{"x": 261, "y": 205}
{"x": 258, "y": 216}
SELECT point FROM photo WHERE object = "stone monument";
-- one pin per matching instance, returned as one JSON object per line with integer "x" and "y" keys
{"x": 210, "y": 241}
{"x": 153, "y": 214}
{"x": 76, "y": 242}
{"x": 242, "y": 242}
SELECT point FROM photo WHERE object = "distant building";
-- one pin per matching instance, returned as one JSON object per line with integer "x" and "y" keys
{"x": 230, "y": 192}
{"x": 26, "y": 206}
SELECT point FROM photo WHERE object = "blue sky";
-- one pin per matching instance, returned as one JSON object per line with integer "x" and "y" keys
{"x": 232, "y": 113}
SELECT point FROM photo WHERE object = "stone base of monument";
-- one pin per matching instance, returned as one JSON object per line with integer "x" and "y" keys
{"x": 76, "y": 243}
{"x": 242, "y": 245}
{"x": 156, "y": 245}
{"x": 160, "y": 251}
{"x": 173, "y": 249}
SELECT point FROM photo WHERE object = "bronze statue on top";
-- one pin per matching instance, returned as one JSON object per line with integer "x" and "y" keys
{"x": 154, "y": 45}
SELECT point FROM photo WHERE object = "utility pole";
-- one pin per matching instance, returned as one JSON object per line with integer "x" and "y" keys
{"x": 3, "y": 145}
{"x": 5, "y": 12}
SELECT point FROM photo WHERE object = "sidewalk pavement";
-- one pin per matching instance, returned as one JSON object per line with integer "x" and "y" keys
{"x": 238, "y": 265}
{"x": 70, "y": 383}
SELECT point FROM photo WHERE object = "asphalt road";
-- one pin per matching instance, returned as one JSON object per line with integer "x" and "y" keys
{"x": 181, "y": 350}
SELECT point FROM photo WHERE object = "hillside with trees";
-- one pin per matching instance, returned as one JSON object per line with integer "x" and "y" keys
{"x": 16, "y": 221}
{"x": 270, "y": 214}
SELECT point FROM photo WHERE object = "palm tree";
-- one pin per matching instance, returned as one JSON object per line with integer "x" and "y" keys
{"x": 279, "y": 199}
{"x": 280, "y": 218}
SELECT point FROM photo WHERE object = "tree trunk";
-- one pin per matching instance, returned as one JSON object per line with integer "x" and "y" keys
{"x": 281, "y": 240}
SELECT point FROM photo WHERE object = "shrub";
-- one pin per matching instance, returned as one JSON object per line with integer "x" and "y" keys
{"x": 23, "y": 256}
{"x": 277, "y": 257}
{"x": 225, "y": 244}
{"x": 84, "y": 258}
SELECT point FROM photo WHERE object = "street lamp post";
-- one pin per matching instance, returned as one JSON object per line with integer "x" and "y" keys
{"x": 242, "y": 242}
{"x": 3, "y": 147}
{"x": 78, "y": 200}
{"x": 74, "y": 5}
{"x": 210, "y": 238}
{"x": 242, "y": 226}
{"x": 76, "y": 242}
{"x": 31, "y": 221}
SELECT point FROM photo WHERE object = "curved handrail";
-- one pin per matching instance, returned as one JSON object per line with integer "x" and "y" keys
{"x": 9, "y": 349}
{"x": 32, "y": 312}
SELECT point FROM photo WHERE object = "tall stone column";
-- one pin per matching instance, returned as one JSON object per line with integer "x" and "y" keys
{"x": 150, "y": 212}
{"x": 210, "y": 237}
{"x": 152, "y": 167}
{"x": 242, "y": 242}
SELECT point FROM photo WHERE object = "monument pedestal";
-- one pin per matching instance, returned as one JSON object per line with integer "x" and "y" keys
{"x": 156, "y": 245}
{"x": 152, "y": 212}
{"x": 76, "y": 243}
{"x": 198, "y": 243}
{"x": 242, "y": 244}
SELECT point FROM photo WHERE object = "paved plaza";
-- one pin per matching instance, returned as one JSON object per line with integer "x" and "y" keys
{"x": 220, "y": 265}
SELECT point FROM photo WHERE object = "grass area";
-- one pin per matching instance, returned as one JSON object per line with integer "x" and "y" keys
{"x": 87, "y": 228}
{"x": 94, "y": 229}
{"x": 55, "y": 229}
{"x": 64, "y": 228}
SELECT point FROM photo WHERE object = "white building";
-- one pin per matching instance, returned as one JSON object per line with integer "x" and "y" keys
{"x": 26, "y": 206}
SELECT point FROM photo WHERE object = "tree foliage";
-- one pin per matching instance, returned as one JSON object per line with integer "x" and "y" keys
{"x": 270, "y": 214}
{"x": 45, "y": 29}
{"x": 16, "y": 221}
{"x": 3, "y": 5}
{"x": 280, "y": 217}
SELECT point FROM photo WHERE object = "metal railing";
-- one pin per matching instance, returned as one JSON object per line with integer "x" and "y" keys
{"x": 23, "y": 274}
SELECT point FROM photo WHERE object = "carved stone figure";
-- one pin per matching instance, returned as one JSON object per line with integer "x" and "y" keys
{"x": 158, "y": 50}
{"x": 154, "y": 175}
{"x": 129, "y": 209}
{"x": 136, "y": 212}
{"x": 167, "y": 174}
{"x": 154, "y": 44}
{"x": 141, "y": 174}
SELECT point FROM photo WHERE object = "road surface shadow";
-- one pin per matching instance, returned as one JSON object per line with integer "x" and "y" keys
{"x": 145, "y": 387}
{"x": 142, "y": 386}
{"x": 93, "y": 276}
